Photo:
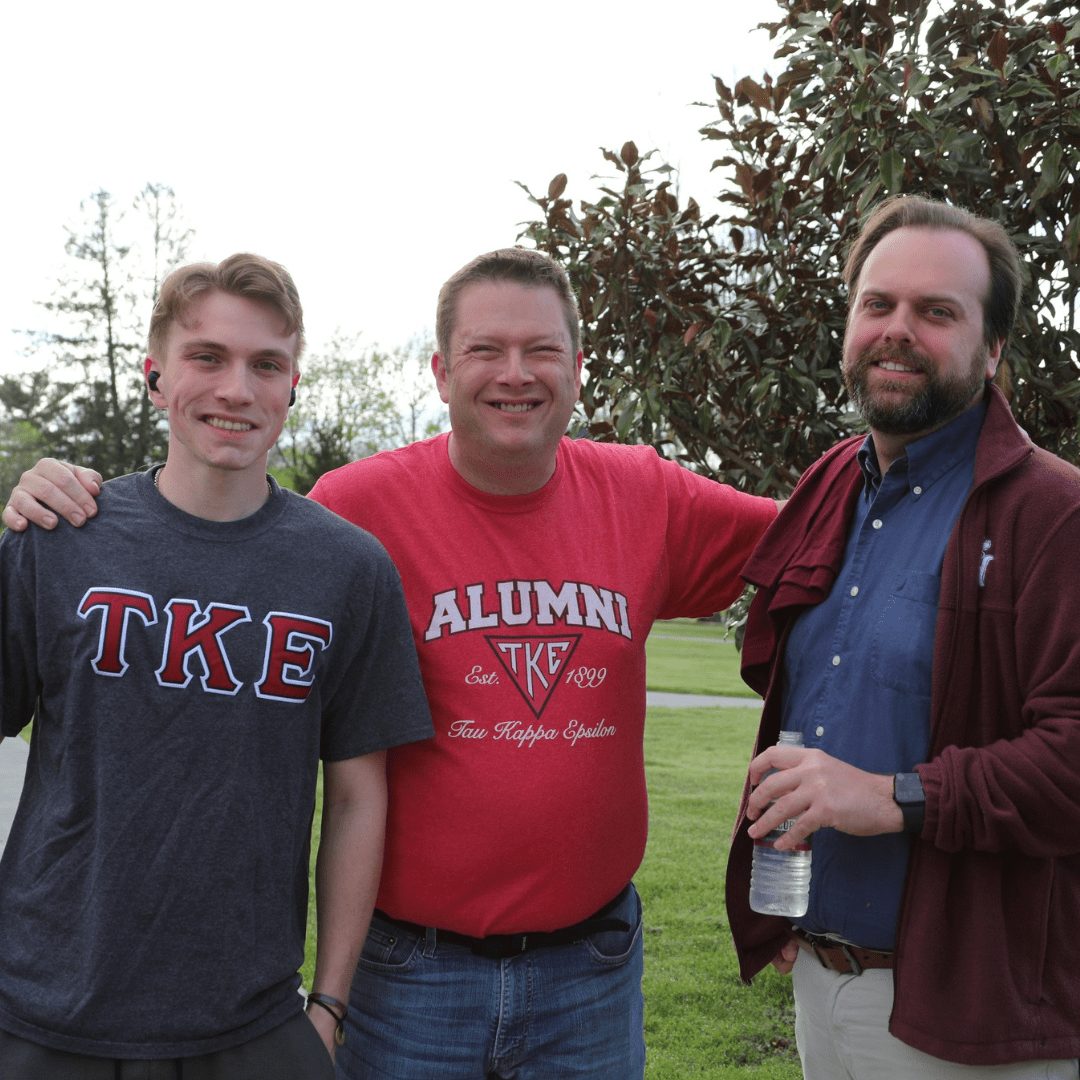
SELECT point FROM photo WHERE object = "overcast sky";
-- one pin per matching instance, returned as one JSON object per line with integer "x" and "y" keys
{"x": 372, "y": 149}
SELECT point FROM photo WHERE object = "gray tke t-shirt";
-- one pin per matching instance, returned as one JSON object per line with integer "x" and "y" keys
{"x": 184, "y": 676}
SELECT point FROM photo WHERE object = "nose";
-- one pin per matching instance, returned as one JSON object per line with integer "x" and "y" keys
{"x": 515, "y": 370}
{"x": 898, "y": 325}
{"x": 235, "y": 384}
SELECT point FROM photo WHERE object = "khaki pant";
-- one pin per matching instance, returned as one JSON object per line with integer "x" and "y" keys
{"x": 841, "y": 1026}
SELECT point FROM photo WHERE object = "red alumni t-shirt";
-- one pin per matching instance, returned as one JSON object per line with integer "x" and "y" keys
{"x": 528, "y": 810}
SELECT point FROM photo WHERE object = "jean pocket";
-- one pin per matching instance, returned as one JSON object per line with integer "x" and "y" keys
{"x": 902, "y": 644}
{"x": 388, "y": 947}
{"x": 614, "y": 947}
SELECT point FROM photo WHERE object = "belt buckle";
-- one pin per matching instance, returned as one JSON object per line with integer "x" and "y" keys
{"x": 500, "y": 946}
{"x": 812, "y": 940}
{"x": 856, "y": 967}
{"x": 815, "y": 943}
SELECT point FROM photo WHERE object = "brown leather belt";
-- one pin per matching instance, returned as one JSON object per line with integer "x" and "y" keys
{"x": 840, "y": 957}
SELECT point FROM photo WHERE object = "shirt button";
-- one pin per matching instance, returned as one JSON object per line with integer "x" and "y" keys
{"x": 877, "y": 523}
{"x": 917, "y": 490}
{"x": 854, "y": 590}
{"x": 836, "y": 661}
{"x": 819, "y": 731}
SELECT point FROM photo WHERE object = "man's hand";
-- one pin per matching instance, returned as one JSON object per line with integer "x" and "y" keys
{"x": 820, "y": 791}
{"x": 784, "y": 960}
{"x": 49, "y": 489}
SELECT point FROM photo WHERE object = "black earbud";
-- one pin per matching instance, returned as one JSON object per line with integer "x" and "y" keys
{"x": 292, "y": 397}
{"x": 152, "y": 379}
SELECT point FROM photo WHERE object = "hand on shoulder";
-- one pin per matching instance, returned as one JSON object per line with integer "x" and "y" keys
{"x": 51, "y": 490}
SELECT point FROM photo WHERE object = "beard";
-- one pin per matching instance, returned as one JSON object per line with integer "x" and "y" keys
{"x": 937, "y": 401}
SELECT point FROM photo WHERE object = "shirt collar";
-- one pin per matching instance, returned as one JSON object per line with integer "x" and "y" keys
{"x": 928, "y": 459}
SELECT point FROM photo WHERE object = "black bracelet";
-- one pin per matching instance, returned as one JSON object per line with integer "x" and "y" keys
{"x": 330, "y": 1004}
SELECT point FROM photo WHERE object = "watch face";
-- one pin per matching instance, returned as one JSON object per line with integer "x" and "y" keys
{"x": 910, "y": 797}
{"x": 907, "y": 788}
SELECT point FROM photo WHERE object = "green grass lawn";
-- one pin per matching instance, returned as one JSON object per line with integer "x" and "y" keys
{"x": 700, "y": 1021}
{"x": 690, "y": 657}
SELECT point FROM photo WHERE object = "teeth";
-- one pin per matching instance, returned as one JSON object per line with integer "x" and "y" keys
{"x": 228, "y": 425}
{"x": 518, "y": 406}
{"x": 892, "y": 365}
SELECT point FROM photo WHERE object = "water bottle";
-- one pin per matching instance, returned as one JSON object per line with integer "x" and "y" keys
{"x": 780, "y": 880}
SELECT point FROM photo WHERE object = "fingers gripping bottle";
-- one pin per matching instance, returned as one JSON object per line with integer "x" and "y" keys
{"x": 780, "y": 880}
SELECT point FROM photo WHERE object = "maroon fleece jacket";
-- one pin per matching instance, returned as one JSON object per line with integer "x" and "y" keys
{"x": 988, "y": 946}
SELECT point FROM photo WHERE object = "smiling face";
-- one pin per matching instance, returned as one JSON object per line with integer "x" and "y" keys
{"x": 225, "y": 379}
{"x": 510, "y": 381}
{"x": 915, "y": 354}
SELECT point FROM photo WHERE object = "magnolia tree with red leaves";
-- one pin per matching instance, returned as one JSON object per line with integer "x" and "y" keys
{"x": 716, "y": 336}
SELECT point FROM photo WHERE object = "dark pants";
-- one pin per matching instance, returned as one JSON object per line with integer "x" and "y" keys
{"x": 292, "y": 1051}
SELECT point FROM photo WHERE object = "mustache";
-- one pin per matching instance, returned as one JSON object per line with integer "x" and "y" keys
{"x": 896, "y": 353}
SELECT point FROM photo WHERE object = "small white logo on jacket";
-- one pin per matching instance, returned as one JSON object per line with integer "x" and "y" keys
{"x": 985, "y": 562}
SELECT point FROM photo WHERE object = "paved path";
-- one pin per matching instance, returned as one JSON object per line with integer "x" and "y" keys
{"x": 700, "y": 701}
{"x": 13, "y": 754}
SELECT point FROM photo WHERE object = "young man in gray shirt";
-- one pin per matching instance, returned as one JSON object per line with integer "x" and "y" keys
{"x": 187, "y": 659}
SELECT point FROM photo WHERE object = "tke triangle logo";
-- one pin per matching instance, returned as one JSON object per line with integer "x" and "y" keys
{"x": 534, "y": 664}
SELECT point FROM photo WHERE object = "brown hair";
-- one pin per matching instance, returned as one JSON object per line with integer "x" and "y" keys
{"x": 520, "y": 265}
{"x": 249, "y": 276}
{"x": 915, "y": 211}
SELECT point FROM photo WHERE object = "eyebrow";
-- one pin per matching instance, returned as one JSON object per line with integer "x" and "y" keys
{"x": 551, "y": 341}
{"x": 952, "y": 299}
{"x": 216, "y": 346}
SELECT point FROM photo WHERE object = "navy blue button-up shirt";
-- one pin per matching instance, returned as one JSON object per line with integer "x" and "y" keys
{"x": 857, "y": 666}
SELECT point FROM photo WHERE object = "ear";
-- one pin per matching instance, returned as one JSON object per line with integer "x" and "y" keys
{"x": 438, "y": 369}
{"x": 577, "y": 370}
{"x": 152, "y": 367}
{"x": 993, "y": 358}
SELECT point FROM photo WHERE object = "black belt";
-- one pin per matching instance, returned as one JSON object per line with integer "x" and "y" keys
{"x": 839, "y": 956}
{"x": 501, "y": 946}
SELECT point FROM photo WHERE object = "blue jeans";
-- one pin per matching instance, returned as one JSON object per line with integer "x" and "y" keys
{"x": 428, "y": 1010}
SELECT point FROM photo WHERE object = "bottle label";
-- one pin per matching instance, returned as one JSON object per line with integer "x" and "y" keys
{"x": 770, "y": 839}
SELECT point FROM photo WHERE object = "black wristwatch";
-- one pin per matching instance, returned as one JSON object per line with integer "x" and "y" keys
{"x": 910, "y": 797}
